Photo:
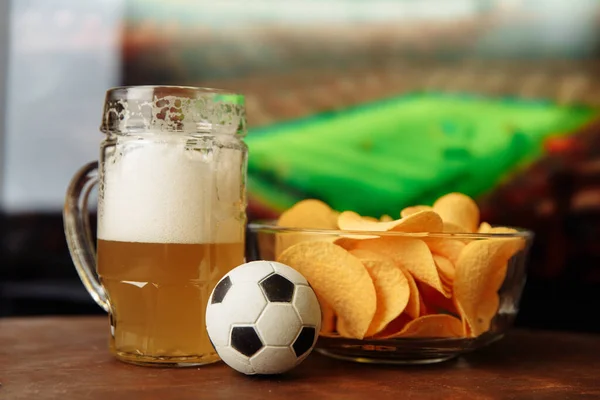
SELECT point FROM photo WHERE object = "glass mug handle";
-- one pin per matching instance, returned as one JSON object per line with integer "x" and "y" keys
{"x": 78, "y": 232}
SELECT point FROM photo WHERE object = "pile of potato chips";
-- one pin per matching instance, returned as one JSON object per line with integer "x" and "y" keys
{"x": 379, "y": 284}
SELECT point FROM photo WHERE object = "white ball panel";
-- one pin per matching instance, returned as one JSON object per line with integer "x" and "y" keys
{"x": 243, "y": 304}
{"x": 235, "y": 360}
{"x": 218, "y": 328}
{"x": 253, "y": 271}
{"x": 273, "y": 360}
{"x": 306, "y": 303}
{"x": 290, "y": 273}
{"x": 278, "y": 325}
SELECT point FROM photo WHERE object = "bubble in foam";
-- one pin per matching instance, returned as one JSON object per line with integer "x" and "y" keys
{"x": 172, "y": 191}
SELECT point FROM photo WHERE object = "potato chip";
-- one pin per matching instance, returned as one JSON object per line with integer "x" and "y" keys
{"x": 484, "y": 227}
{"x": 411, "y": 254}
{"x": 449, "y": 227}
{"x": 327, "y": 317}
{"x": 448, "y": 248}
{"x": 435, "y": 302}
{"x": 447, "y": 286}
{"x": 445, "y": 268}
{"x": 413, "y": 308}
{"x": 413, "y": 210}
{"x": 502, "y": 229}
{"x": 386, "y": 218}
{"x": 466, "y": 328}
{"x": 341, "y": 329}
{"x": 423, "y": 309}
{"x": 391, "y": 288}
{"x": 423, "y": 221}
{"x": 394, "y": 327}
{"x": 334, "y": 217}
{"x": 308, "y": 213}
{"x": 349, "y": 242}
{"x": 369, "y": 219}
{"x": 458, "y": 209}
{"x": 480, "y": 270}
{"x": 419, "y": 222}
{"x": 416, "y": 223}
{"x": 351, "y": 221}
{"x": 339, "y": 278}
{"x": 432, "y": 326}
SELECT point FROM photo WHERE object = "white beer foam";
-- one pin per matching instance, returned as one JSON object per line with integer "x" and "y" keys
{"x": 161, "y": 192}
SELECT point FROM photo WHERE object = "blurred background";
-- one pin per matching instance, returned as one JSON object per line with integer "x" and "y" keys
{"x": 368, "y": 105}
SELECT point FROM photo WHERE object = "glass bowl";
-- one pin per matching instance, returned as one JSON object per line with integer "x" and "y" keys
{"x": 484, "y": 291}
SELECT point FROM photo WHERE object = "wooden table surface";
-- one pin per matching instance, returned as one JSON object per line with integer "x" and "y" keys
{"x": 67, "y": 358}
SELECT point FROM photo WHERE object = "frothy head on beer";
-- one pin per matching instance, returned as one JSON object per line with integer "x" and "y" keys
{"x": 171, "y": 191}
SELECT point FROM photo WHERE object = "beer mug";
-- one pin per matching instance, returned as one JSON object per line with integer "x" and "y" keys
{"x": 171, "y": 217}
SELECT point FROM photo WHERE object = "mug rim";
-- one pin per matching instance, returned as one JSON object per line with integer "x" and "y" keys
{"x": 145, "y": 109}
{"x": 198, "y": 89}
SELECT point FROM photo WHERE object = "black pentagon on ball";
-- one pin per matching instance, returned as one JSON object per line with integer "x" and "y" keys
{"x": 304, "y": 341}
{"x": 245, "y": 340}
{"x": 277, "y": 289}
{"x": 221, "y": 290}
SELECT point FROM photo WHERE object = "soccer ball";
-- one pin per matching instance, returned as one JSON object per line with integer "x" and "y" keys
{"x": 263, "y": 318}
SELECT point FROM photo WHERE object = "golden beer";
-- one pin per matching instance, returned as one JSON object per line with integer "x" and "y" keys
{"x": 158, "y": 293}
